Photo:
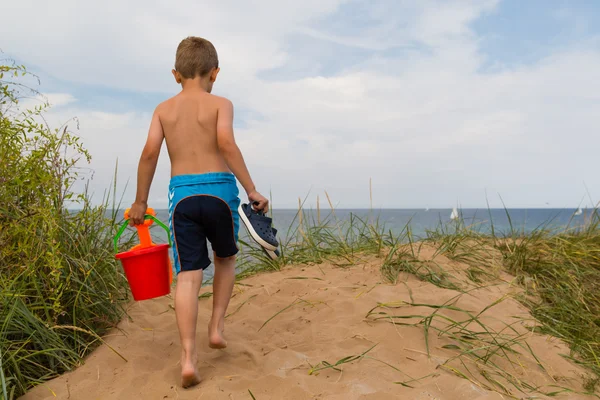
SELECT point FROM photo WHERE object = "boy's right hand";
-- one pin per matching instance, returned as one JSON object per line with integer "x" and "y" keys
{"x": 263, "y": 203}
{"x": 137, "y": 212}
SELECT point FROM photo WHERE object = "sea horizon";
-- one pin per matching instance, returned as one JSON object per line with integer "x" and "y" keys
{"x": 499, "y": 221}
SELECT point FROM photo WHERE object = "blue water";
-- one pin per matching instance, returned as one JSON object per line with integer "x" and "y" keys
{"x": 419, "y": 221}
{"x": 422, "y": 220}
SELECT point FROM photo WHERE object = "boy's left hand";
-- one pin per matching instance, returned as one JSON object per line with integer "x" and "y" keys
{"x": 259, "y": 202}
{"x": 137, "y": 213}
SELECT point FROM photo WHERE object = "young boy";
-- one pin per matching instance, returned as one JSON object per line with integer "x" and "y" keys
{"x": 203, "y": 196}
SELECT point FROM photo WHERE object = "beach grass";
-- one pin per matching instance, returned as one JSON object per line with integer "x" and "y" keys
{"x": 557, "y": 269}
{"x": 60, "y": 288}
{"x": 561, "y": 276}
{"x": 491, "y": 359}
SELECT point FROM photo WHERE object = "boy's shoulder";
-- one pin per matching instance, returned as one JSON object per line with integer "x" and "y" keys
{"x": 218, "y": 101}
{"x": 221, "y": 101}
{"x": 162, "y": 106}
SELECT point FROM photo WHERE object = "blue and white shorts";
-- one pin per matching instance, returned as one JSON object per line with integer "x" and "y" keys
{"x": 201, "y": 207}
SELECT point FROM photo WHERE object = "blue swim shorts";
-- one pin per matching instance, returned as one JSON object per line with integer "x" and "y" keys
{"x": 203, "y": 207}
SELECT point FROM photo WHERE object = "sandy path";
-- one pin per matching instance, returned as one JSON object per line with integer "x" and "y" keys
{"x": 327, "y": 325}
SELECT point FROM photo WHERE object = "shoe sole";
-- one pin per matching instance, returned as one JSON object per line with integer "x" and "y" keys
{"x": 271, "y": 254}
{"x": 253, "y": 233}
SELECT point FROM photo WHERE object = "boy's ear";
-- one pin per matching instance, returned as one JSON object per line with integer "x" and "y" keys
{"x": 177, "y": 76}
{"x": 214, "y": 73}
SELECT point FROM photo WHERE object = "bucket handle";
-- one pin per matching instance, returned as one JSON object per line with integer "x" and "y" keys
{"x": 147, "y": 216}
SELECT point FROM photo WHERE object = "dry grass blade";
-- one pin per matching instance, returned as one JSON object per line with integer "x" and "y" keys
{"x": 240, "y": 306}
{"x": 345, "y": 360}
{"x": 304, "y": 278}
{"x": 295, "y": 302}
{"x": 408, "y": 383}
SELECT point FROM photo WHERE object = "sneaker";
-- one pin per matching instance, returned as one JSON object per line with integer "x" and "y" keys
{"x": 259, "y": 227}
{"x": 272, "y": 254}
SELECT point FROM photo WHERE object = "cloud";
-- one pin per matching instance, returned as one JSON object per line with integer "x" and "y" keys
{"x": 414, "y": 107}
{"x": 59, "y": 99}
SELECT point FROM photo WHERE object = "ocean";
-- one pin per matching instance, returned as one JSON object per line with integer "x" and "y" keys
{"x": 421, "y": 220}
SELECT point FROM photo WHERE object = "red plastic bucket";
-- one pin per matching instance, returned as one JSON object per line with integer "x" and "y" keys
{"x": 147, "y": 271}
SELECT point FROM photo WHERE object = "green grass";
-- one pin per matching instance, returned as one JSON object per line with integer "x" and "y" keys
{"x": 428, "y": 271}
{"x": 561, "y": 275}
{"x": 58, "y": 295}
{"x": 60, "y": 286}
{"x": 312, "y": 240}
{"x": 560, "y": 272}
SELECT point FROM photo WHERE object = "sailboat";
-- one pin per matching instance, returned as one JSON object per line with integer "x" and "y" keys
{"x": 454, "y": 214}
{"x": 578, "y": 212}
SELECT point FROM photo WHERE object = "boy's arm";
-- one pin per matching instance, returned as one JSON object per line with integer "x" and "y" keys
{"x": 146, "y": 169}
{"x": 232, "y": 154}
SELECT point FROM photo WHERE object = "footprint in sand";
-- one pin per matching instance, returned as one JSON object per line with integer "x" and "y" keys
{"x": 147, "y": 363}
{"x": 238, "y": 357}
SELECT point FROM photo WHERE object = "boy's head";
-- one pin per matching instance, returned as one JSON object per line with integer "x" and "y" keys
{"x": 196, "y": 57}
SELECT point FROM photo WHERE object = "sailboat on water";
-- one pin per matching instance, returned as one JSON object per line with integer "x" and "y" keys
{"x": 578, "y": 212}
{"x": 454, "y": 214}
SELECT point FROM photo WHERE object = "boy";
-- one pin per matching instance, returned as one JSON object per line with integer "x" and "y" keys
{"x": 203, "y": 196}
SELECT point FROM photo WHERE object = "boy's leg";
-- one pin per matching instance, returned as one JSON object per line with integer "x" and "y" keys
{"x": 223, "y": 282}
{"x": 186, "y": 311}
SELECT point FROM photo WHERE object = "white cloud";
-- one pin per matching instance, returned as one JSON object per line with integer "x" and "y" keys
{"x": 59, "y": 99}
{"x": 426, "y": 122}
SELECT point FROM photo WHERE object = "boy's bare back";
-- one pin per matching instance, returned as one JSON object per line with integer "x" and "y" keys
{"x": 189, "y": 121}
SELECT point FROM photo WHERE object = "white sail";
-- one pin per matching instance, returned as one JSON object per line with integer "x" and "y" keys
{"x": 578, "y": 212}
{"x": 454, "y": 214}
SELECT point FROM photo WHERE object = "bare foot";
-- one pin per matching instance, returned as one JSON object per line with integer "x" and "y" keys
{"x": 189, "y": 375}
{"x": 215, "y": 336}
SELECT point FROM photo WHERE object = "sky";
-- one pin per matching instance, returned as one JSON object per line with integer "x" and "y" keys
{"x": 436, "y": 102}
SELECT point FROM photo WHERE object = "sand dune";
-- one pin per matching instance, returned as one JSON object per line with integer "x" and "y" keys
{"x": 325, "y": 323}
